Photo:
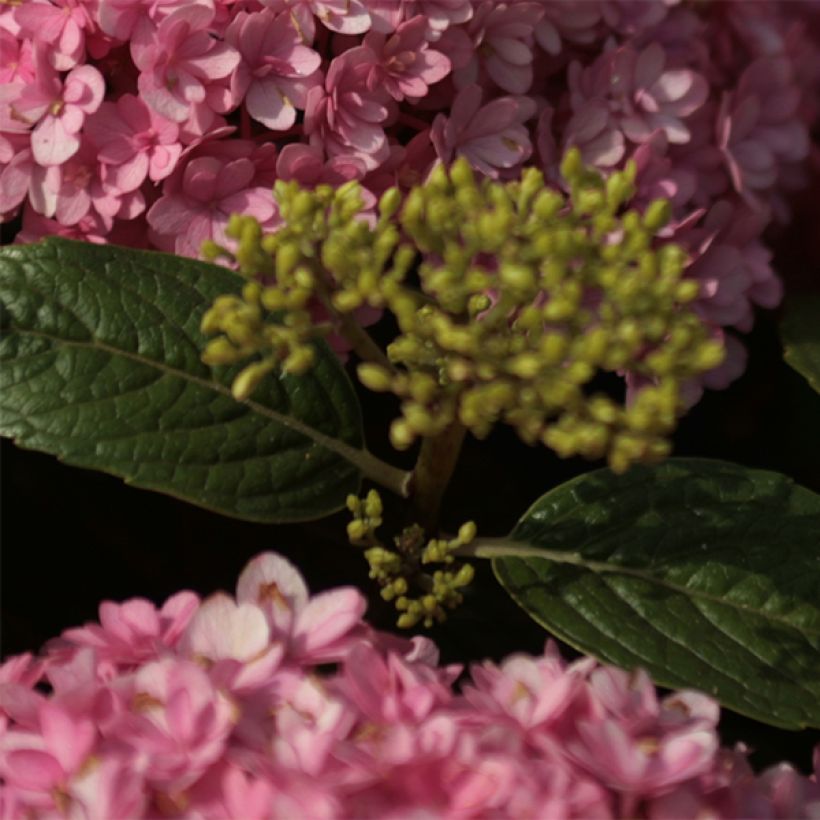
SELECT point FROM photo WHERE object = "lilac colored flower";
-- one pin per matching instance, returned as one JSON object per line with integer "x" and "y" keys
{"x": 632, "y": 17}
{"x": 134, "y": 142}
{"x": 757, "y": 127}
{"x": 502, "y": 37}
{"x": 57, "y": 108}
{"x": 62, "y": 24}
{"x": 180, "y": 61}
{"x": 573, "y": 21}
{"x": 492, "y": 137}
{"x": 345, "y": 117}
{"x": 637, "y": 94}
{"x": 276, "y": 71}
{"x": 404, "y": 64}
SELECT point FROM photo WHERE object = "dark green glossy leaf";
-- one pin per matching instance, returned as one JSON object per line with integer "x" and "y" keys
{"x": 101, "y": 367}
{"x": 800, "y": 331}
{"x": 704, "y": 573}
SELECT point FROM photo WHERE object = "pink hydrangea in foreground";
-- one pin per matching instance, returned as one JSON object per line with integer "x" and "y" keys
{"x": 219, "y": 709}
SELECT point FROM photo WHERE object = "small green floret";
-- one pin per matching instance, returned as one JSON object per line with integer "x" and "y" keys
{"x": 420, "y": 592}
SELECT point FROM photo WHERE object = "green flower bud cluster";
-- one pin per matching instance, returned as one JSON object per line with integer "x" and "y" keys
{"x": 401, "y": 572}
{"x": 324, "y": 253}
{"x": 525, "y": 295}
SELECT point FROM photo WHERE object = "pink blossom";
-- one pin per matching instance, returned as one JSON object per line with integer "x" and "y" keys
{"x": 383, "y": 734}
{"x": 502, "y": 36}
{"x": 441, "y": 15}
{"x": 200, "y": 198}
{"x": 404, "y": 64}
{"x": 124, "y": 20}
{"x": 575, "y": 21}
{"x": 58, "y": 109}
{"x": 136, "y": 631}
{"x": 315, "y": 628}
{"x": 306, "y": 164}
{"x": 492, "y": 137}
{"x": 276, "y": 71}
{"x": 180, "y": 61}
{"x": 61, "y": 24}
{"x": 134, "y": 142}
{"x": 177, "y": 718}
{"x": 343, "y": 116}
{"x": 78, "y": 187}
{"x": 530, "y": 691}
{"x": 16, "y": 59}
{"x": 637, "y": 93}
{"x": 757, "y": 127}
{"x": 344, "y": 16}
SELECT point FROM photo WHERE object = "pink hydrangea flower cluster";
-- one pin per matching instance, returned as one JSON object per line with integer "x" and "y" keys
{"x": 148, "y": 122}
{"x": 275, "y": 703}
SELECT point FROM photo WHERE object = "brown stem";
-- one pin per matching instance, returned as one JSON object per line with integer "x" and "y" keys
{"x": 434, "y": 469}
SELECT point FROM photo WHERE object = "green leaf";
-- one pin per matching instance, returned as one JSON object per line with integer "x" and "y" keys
{"x": 800, "y": 331}
{"x": 100, "y": 365}
{"x": 704, "y": 573}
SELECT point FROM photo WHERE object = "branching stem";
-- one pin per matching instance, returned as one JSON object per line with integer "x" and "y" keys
{"x": 434, "y": 469}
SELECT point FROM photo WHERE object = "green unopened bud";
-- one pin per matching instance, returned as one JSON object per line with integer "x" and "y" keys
{"x": 519, "y": 277}
{"x": 389, "y": 203}
{"x": 467, "y": 532}
{"x": 572, "y": 165}
{"x": 657, "y": 215}
{"x": 461, "y": 173}
{"x": 299, "y": 361}
{"x": 248, "y": 380}
{"x": 221, "y": 351}
{"x": 374, "y": 377}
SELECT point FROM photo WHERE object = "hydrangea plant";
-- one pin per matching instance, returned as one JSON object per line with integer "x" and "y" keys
{"x": 551, "y": 216}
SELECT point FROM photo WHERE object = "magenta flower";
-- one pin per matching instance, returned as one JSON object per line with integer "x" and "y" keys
{"x": 57, "y": 109}
{"x": 492, "y": 137}
{"x": 344, "y": 117}
{"x": 276, "y": 71}
{"x": 134, "y": 142}
{"x": 573, "y": 21}
{"x": 180, "y": 61}
{"x": 404, "y": 64}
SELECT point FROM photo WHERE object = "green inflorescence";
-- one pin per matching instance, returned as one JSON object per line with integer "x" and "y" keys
{"x": 404, "y": 570}
{"x": 522, "y": 296}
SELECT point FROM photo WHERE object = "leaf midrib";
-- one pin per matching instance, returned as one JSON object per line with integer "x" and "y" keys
{"x": 504, "y": 548}
{"x": 355, "y": 456}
